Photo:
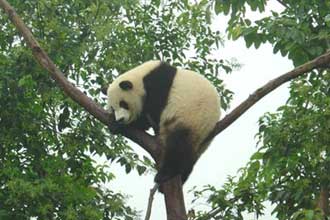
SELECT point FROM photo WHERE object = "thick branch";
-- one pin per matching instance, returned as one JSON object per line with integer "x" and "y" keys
{"x": 141, "y": 138}
{"x": 318, "y": 62}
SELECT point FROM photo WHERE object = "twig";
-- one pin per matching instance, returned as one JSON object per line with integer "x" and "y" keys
{"x": 151, "y": 198}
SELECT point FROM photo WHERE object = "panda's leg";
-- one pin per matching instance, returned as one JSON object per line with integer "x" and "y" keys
{"x": 178, "y": 157}
{"x": 186, "y": 172}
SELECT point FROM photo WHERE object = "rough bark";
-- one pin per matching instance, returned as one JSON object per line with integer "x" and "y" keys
{"x": 172, "y": 189}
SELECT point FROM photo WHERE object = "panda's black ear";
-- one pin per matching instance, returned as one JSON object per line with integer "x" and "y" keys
{"x": 125, "y": 85}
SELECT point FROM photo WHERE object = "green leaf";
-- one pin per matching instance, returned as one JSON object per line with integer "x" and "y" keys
{"x": 257, "y": 156}
{"x": 141, "y": 169}
{"x": 128, "y": 168}
{"x": 309, "y": 214}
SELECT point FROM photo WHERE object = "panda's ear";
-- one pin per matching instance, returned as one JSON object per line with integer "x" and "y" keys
{"x": 125, "y": 85}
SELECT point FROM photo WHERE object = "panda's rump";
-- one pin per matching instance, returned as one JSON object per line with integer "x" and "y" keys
{"x": 179, "y": 157}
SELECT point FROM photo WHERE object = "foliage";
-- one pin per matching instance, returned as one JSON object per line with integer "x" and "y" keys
{"x": 47, "y": 142}
{"x": 301, "y": 30}
{"x": 290, "y": 168}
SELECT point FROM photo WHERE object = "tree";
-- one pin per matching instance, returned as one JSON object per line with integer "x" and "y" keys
{"x": 290, "y": 167}
{"x": 172, "y": 189}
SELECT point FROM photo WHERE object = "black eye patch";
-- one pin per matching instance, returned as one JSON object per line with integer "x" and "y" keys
{"x": 123, "y": 105}
{"x": 126, "y": 85}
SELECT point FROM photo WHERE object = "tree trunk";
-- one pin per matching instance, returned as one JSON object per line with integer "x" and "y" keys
{"x": 174, "y": 200}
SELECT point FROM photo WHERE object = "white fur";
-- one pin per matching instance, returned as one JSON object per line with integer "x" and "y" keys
{"x": 122, "y": 114}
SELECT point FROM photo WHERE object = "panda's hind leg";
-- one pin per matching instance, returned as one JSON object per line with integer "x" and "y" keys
{"x": 178, "y": 157}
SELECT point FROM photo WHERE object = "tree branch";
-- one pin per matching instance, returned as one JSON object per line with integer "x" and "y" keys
{"x": 174, "y": 199}
{"x": 318, "y": 62}
{"x": 151, "y": 198}
{"x": 141, "y": 138}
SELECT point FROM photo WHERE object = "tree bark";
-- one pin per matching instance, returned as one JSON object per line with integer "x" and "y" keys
{"x": 323, "y": 202}
{"x": 174, "y": 199}
{"x": 172, "y": 189}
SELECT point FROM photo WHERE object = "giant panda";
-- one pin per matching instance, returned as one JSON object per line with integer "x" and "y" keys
{"x": 180, "y": 105}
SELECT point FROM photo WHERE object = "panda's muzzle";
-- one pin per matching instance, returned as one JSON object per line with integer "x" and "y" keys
{"x": 122, "y": 116}
{"x": 119, "y": 119}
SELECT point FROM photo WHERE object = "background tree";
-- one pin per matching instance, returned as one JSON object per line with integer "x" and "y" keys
{"x": 290, "y": 168}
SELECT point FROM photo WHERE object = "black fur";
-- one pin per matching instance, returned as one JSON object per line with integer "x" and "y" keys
{"x": 157, "y": 85}
{"x": 126, "y": 85}
{"x": 123, "y": 105}
{"x": 179, "y": 158}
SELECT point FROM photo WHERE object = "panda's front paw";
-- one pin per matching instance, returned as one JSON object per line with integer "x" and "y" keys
{"x": 116, "y": 128}
{"x": 162, "y": 177}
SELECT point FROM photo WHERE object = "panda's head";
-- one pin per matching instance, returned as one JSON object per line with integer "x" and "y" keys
{"x": 125, "y": 100}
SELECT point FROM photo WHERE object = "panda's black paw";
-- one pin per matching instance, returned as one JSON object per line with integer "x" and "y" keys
{"x": 116, "y": 128}
{"x": 161, "y": 178}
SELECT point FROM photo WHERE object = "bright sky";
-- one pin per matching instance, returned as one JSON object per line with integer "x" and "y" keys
{"x": 233, "y": 147}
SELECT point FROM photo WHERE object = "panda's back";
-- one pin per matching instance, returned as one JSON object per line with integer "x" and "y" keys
{"x": 177, "y": 97}
{"x": 193, "y": 102}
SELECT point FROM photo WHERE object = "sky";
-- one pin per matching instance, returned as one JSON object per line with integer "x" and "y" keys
{"x": 232, "y": 148}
